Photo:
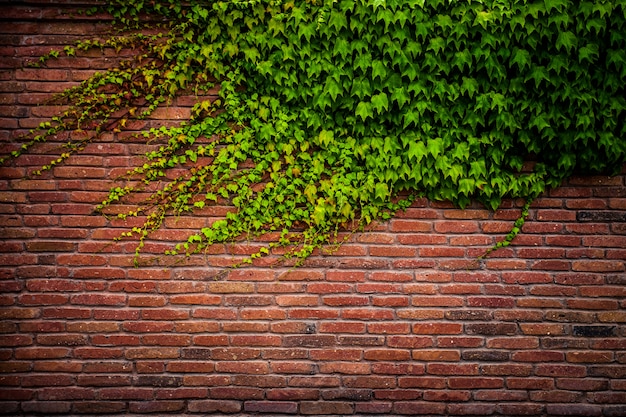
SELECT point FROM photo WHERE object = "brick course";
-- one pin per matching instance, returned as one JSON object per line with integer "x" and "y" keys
{"x": 403, "y": 320}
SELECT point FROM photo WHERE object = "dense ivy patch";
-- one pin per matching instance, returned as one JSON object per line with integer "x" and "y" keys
{"x": 328, "y": 111}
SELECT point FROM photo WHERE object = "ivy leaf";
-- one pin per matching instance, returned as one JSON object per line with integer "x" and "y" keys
{"x": 540, "y": 122}
{"x": 436, "y": 45}
{"x": 333, "y": 88}
{"x": 538, "y": 74}
{"x": 414, "y": 49}
{"x": 363, "y": 61}
{"x": 379, "y": 70}
{"x": 435, "y": 147}
{"x": 466, "y": 186}
{"x": 326, "y": 138}
{"x": 342, "y": 48}
{"x": 555, "y": 4}
{"x": 378, "y": 3}
{"x": 319, "y": 214}
{"x": 338, "y": 20}
{"x": 417, "y": 151}
{"x": 567, "y": 161}
{"x": 361, "y": 88}
{"x": 380, "y": 102}
{"x": 381, "y": 191}
{"x": 589, "y": 52}
{"x": 411, "y": 117}
{"x": 462, "y": 58}
{"x": 469, "y": 86}
{"x": 566, "y": 40}
{"x": 521, "y": 58}
{"x": 400, "y": 96}
{"x": 364, "y": 110}
{"x": 478, "y": 169}
{"x": 307, "y": 31}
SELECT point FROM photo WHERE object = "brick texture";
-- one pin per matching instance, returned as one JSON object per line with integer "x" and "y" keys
{"x": 404, "y": 320}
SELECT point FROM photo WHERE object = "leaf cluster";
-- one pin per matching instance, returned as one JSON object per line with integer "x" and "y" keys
{"x": 328, "y": 111}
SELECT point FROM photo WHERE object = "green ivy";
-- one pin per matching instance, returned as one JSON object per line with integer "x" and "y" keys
{"x": 329, "y": 111}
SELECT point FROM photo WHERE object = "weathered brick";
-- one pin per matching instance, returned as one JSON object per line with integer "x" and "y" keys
{"x": 418, "y": 408}
{"x": 491, "y": 329}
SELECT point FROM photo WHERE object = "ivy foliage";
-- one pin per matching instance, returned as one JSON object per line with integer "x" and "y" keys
{"x": 328, "y": 112}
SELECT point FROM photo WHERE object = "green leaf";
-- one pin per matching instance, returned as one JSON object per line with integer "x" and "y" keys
{"x": 361, "y": 88}
{"x": 363, "y": 61}
{"x": 566, "y": 40}
{"x": 400, "y": 96}
{"x": 417, "y": 151}
{"x": 469, "y": 86}
{"x": 379, "y": 70}
{"x": 435, "y": 147}
{"x": 364, "y": 110}
{"x": 589, "y": 52}
{"x": 559, "y": 5}
{"x": 436, "y": 45}
{"x": 381, "y": 191}
{"x": 466, "y": 186}
{"x": 521, "y": 58}
{"x": 380, "y": 102}
{"x": 333, "y": 88}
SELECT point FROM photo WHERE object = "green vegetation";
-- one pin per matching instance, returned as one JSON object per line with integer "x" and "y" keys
{"x": 328, "y": 112}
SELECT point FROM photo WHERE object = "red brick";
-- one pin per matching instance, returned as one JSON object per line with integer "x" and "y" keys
{"x": 327, "y": 288}
{"x": 181, "y": 393}
{"x": 126, "y": 393}
{"x": 459, "y": 341}
{"x": 388, "y": 328}
{"x": 417, "y": 408}
{"x": 248, "y": 367}
{"x": 440, "y": 301}
{"x": 437, "y": 328}
{"x": 386, "y": 355}
{"x": 390, "y": 301}
{"x": 166, "y": 340}
{"x": 586, "y": 304}
{"x": 214, "y": 406}
{"x": 238, "y": 393}
{"x": 147, "y": 301}
{"x": 182, "y": 287}
{"x": 156, "y": 406}
{"x": 62, "y": 339}
{"x": 582, "y": 384}
{"x": 478, "y": 276}
{"x": 568, "y": 371}
{"x": 436, "y": 355}
{"x": 66, "y": 393}
{"x": 98, "y": 353}
{"x": 452, "y": 369}
{"x": 348, "y": 368}
{"x": 590, "y": 357}
{"x": 152, "y": 353}
{"x": 491, "y": 302}
{"x": 538, "y": 356}
{"x": 280, "y": 407}
{"x": 597, "y": 266}
{"x": 513, "y": 343}
{"x": 456, "y": 226}
{"x": 345, "y": 276}
{"x": 188, "y": 367}
{"x": 368, "y": 314}
{"x": 392, "y": 251}
{"x": 45, "y": 380}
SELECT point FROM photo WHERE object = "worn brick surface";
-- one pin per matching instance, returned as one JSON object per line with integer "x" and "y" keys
{"x": 402, "y": 320}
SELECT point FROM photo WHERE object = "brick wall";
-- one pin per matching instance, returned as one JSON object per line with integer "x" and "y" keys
{"x": 402, "y": 320}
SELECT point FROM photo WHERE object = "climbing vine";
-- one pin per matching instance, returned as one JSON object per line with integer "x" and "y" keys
{"x": 333, "y": 114}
